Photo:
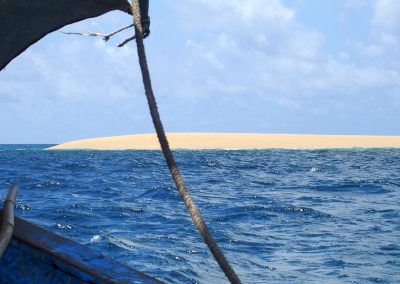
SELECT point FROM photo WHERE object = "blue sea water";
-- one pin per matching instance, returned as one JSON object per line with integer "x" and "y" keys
{"x": 280, "y": 216}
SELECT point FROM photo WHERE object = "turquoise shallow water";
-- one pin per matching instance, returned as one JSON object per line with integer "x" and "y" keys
{"x": 280, "y": 216}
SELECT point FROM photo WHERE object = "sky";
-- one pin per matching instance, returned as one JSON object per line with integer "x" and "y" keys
{"x": 290, "y": 66}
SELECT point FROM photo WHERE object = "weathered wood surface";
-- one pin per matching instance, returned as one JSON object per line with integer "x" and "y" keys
{"x": 24, "y": 22}
{"x": 7, "y": 222}
{"x": 36, "y": 255}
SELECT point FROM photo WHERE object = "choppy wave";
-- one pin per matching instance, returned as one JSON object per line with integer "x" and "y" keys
{"x": 281, "y": 216}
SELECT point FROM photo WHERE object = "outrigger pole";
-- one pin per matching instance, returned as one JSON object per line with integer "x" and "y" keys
{"x": 7, "y": 222}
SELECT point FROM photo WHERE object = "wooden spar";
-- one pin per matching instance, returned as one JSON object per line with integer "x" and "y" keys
{"x": 22, "y": 23}
{"x": 7, "y": 224}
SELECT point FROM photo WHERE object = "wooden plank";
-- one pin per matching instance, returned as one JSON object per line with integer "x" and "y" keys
{"x": 35, "y": 251}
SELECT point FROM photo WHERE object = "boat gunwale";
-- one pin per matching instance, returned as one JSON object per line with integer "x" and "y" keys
{"x": 75, "y": 255}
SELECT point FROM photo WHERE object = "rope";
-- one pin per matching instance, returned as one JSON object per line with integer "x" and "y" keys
{"x": 173, "y": 168}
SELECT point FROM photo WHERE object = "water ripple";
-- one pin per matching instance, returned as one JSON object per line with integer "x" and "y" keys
{"x": 281, "y": 216}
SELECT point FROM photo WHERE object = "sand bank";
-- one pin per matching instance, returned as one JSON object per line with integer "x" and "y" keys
{"x": 233, "y": 141}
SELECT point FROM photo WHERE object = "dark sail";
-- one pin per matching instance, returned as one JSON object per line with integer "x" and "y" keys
{"x": 24, "y": 22}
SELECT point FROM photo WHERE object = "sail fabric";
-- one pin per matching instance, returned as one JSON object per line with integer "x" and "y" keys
{"x": 24, "y": 22}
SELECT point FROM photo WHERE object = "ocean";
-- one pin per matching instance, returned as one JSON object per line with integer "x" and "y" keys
{"x": 280, "y": 216}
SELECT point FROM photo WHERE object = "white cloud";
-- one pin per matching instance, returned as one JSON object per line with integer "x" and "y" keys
{"x": 266, "y": 50}
{"x": 107, "y": 72}
{"x": 217, "y": 65}
{"x": 385, "y": 44}
{"x": 250, "y": 13}
{"x": 382, "y": 48}
{"x": 387, "y": 15}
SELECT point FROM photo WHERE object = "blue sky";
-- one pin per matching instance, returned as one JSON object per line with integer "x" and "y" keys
{"x": 294, "y": 66}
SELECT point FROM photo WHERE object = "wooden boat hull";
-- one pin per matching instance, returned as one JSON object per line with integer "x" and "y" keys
{"x": 35, "y": 255}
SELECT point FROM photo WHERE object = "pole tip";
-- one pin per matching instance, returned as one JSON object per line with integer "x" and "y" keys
{"x": 12, "y": 192}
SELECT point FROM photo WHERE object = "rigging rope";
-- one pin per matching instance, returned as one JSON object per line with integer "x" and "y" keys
{"x": 177, "y": 177}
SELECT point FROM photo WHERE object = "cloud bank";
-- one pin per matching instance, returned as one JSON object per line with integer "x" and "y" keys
{"x": 217, "y": 66}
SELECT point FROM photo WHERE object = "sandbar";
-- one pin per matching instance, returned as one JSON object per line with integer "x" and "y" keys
{"x": 197, "y": 141}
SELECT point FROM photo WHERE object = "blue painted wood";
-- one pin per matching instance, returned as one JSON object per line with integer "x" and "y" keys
{"x": 36, "y": 255}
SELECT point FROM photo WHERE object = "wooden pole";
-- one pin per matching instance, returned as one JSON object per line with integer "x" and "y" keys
{"x": 7, "y": 224}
